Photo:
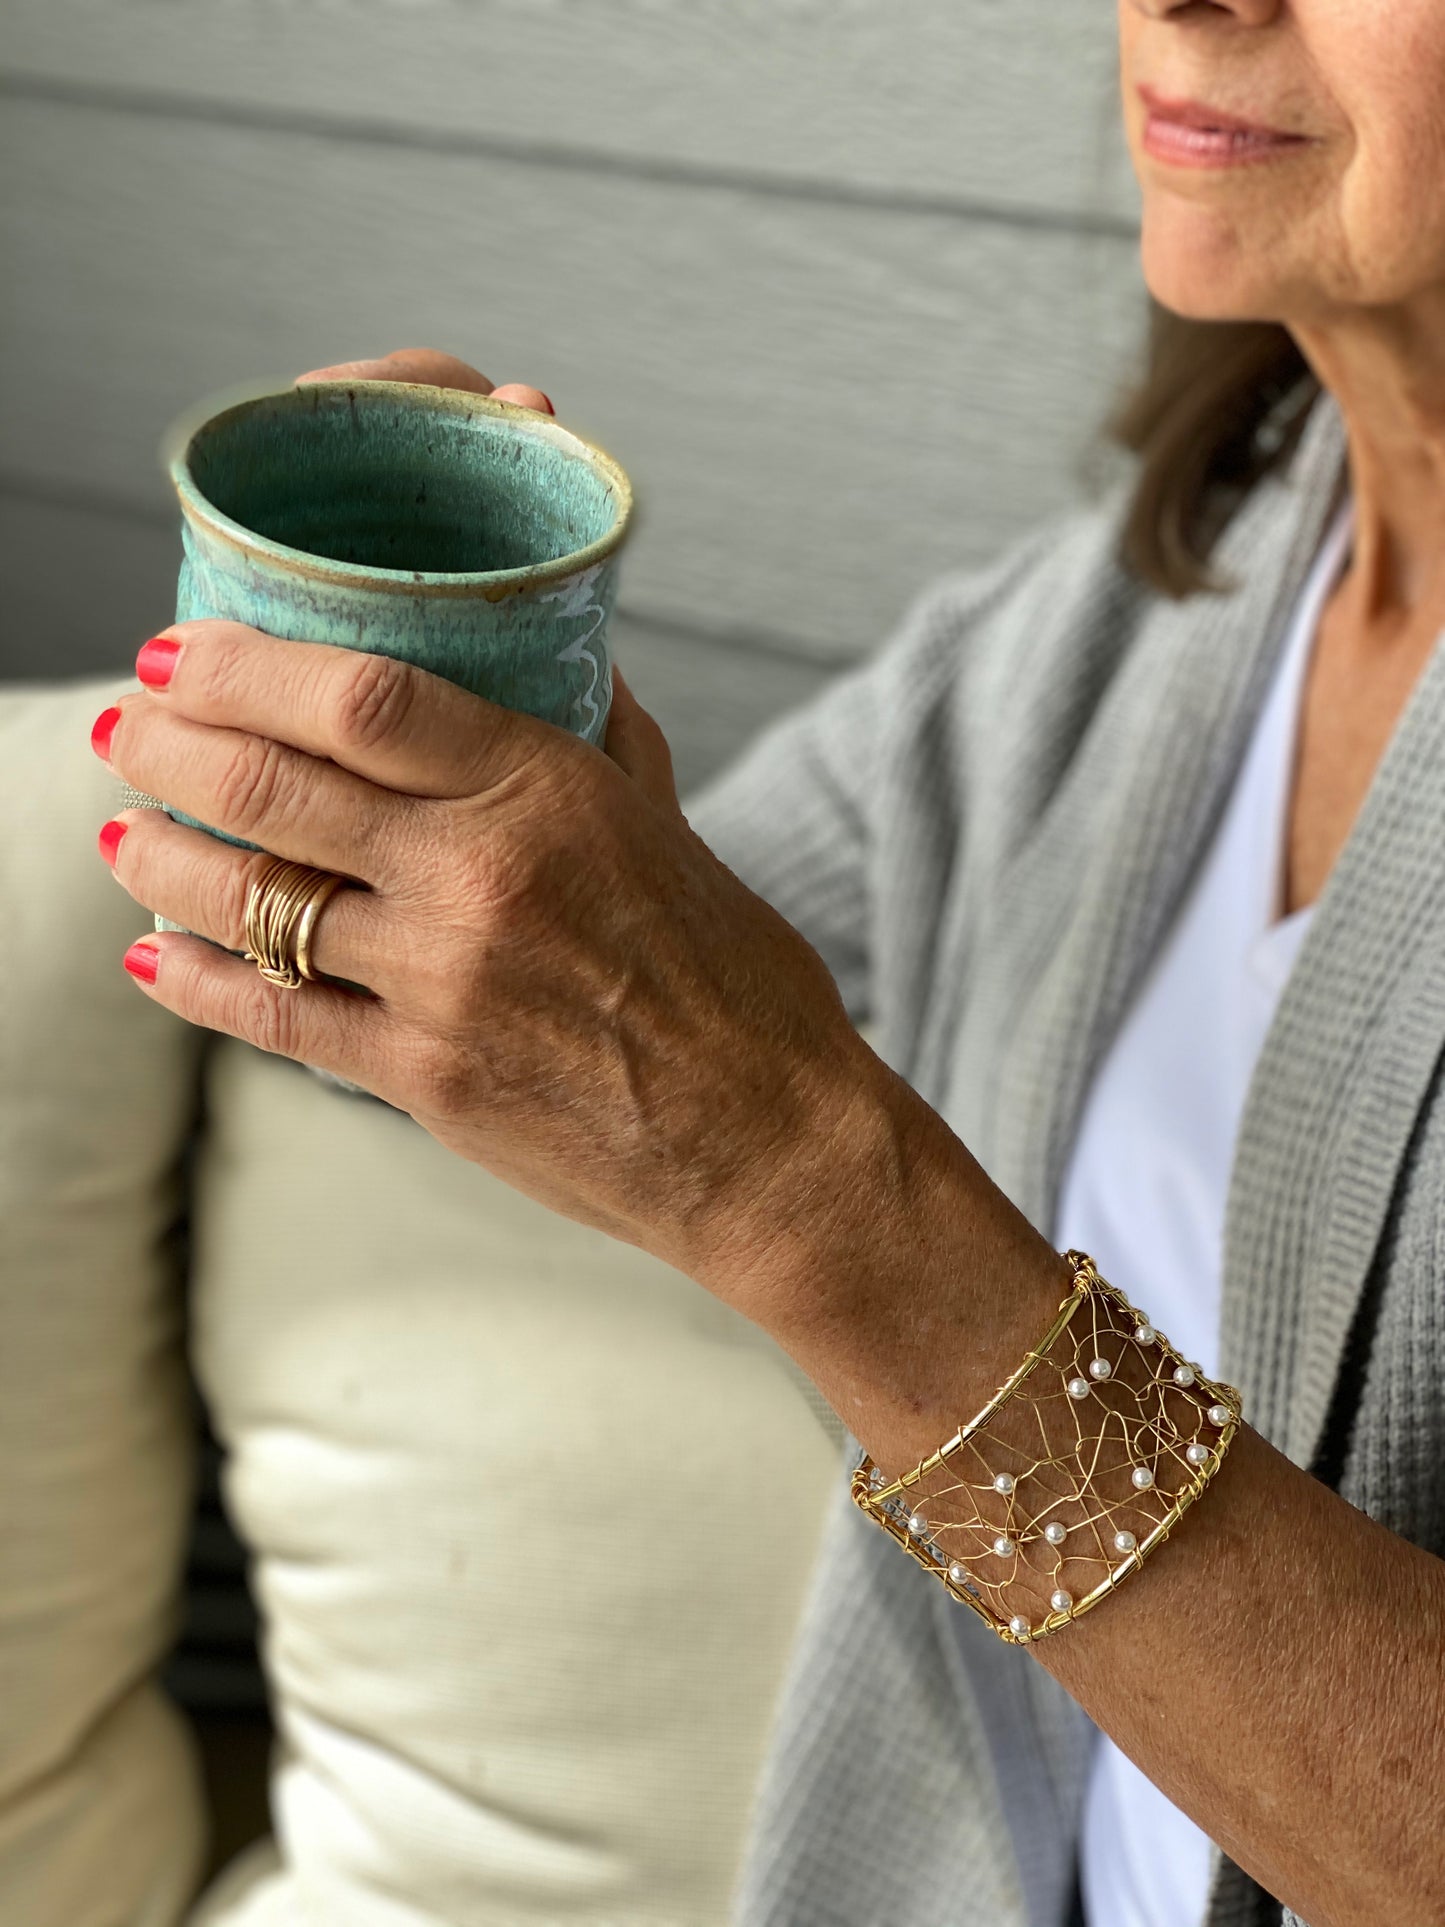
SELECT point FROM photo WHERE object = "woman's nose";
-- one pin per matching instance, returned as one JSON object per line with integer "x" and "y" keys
{"x": 1249, "y": 13}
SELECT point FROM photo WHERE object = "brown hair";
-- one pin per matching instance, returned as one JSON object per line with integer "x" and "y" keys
{"x": 1220, "y": 404}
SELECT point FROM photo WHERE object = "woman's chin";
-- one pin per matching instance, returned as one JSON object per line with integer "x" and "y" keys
{"x": 1210, "y": 284}
{"x": 1208, "y": 305}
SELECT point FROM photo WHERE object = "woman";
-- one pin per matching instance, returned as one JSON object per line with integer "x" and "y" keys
{"x": 1138, "y": 822}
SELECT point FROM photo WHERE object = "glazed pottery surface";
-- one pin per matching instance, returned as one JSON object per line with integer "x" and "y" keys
{"x": 473, "y": 538}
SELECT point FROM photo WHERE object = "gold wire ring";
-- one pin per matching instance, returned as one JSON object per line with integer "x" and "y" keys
{"x": 282, "y": 906}
{"x": 306, "y": 928}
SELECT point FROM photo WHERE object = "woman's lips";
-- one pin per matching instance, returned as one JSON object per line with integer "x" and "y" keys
{"x": 1190, "y": 134}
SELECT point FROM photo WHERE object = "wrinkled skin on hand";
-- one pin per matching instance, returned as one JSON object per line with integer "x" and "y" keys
{"x": 563, "y": 983}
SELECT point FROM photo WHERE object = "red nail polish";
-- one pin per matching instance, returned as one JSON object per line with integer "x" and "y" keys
{"x": 156, "y": 662}
{"x": 102, "y": 729}
{"x": 110, "y": 836}
{"x": 143, "y": 960}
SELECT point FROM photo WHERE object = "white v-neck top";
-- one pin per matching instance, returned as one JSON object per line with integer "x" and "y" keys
{"x": 1145, "y": 1187}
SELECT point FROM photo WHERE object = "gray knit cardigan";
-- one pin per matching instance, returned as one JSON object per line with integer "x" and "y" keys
{"x": 985, "y": 830}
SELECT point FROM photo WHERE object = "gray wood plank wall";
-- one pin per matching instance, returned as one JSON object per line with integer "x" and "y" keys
{"x": 846, "y": 287}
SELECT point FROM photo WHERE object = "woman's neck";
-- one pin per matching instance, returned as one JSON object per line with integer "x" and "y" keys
{"x": 1386, "y": 371}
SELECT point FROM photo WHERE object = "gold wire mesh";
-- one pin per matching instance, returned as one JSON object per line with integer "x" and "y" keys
{"x": 1075, "y": 1470}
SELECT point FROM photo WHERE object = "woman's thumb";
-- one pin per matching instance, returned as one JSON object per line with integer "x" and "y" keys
{"x": 636, "y": 743}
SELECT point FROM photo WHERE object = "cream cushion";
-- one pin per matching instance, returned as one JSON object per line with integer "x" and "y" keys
{"x": 100, "y": 1813}
{"x": 533, "y": 1516}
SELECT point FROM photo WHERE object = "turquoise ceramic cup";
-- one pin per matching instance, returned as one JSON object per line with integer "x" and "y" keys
{"x": 471, "y": 537}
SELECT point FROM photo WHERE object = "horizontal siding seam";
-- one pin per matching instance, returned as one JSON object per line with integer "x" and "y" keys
{"x": 367, "y": 130}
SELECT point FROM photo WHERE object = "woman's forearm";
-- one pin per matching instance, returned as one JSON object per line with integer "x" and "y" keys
{"x": 1277, "y": 1667}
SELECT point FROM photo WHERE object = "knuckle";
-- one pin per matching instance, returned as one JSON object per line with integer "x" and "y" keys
{"x": 235, "y": 891}
{"x": 272, "y": 1020}
{"x": 461, "y": 994}
{"x": 441, "y": 1076}
{"x": 507, "y": 876}
{"x": 250, "y": 787}
{"x": 218, "y": 666}
{"x": 447, "y": 976}
{"x": 518, "y": 867}
{"x": 373, "y": 701}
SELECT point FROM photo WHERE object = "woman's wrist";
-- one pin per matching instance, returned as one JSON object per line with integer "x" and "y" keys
{"x": 877, "y": 1251}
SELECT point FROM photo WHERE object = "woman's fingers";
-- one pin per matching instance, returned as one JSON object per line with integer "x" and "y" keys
{"x": 386, "y": 721}
{"x": 357, "y": 1038}
{"x": 431, "y": 366}
{"x": 406, "y": 364}
{"x": 264, "y": 792}
{"x": 195, "y": 880}
{"x": 521, "y": 396}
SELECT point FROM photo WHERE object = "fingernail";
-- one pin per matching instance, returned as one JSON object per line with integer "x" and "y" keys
{"x": 156, "y": 662}
{"x": 143, "y": 960}
{"x": 110, "y": 836}
{"x": 546, "y": 404}
{"x": 102, "y": 729}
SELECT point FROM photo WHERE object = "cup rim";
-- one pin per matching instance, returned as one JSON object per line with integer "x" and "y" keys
{"x": 493, "y": 584}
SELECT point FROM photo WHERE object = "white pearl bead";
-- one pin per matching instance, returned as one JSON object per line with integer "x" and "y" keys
{"x": 1056, "y": 1532}
{"x": 1099, "y": 1368}
{"x": 1197, "y": 1454}
{"x": 1220, "y": 1415}
{"x": 1142, "y": 1477}
{"x": 1146, "y": 1334}
{"x": 1061, "y": 1600}
{"x": 1004, "y": 1483}
{"x": 1004, "y": 1546}
{"x": 958, "y": 1574}
{"x": 918, "y": 1525}
{"x": 1124, "y": 1542}
{"x": 1078, "y": 1388}
{"x": 1018, "y": 1626}
{"x": 1183, "y": 1374}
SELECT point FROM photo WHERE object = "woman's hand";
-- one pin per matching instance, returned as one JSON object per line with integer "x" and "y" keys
{"x": 562, "y": 983}
{"x": 567, "y": 986}
{"x": 430, "y": 365}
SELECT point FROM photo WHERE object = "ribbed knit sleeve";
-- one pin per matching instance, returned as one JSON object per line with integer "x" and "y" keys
{"x": 812, "y": 808}
{"x": 791, "y": 818}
